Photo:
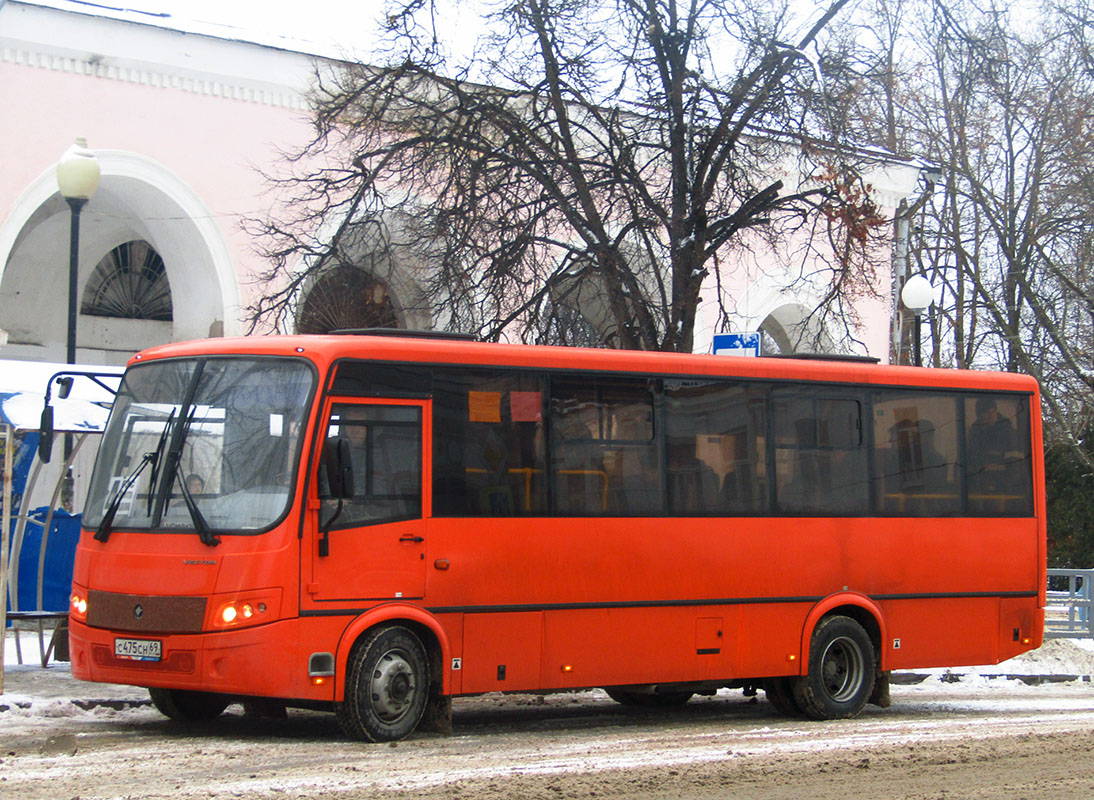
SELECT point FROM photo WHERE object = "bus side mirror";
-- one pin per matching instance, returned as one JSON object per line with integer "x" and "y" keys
{"x": 45, "y": 434}
{"x": 336, "y": 470}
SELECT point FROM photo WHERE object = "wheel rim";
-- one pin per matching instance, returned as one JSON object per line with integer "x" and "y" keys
{"x": 392, "y": 686}
{"x": 842, "y": 669}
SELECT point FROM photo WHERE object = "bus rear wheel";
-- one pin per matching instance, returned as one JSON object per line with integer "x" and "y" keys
{"x": 185, "y": 706}
{"x": 840, "y": 677}
{"x": 780, "y": 693}
{"x": 387, "y": 685}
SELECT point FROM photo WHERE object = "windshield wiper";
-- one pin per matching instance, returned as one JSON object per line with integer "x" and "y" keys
{"x": 172, "y": 474}
{"x": 156, "y": 461}
{"x": 205, "y": 533}
{"x": 102, "y": 534}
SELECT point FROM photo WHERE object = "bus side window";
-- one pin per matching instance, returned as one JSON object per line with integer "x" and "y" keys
{"x": 605, "y": 458}
{"x": 820, "y": 454}
{"x": 488, "y": 451}
{"x": 716, "y": 446}
{"x": 997, "y": 444}
{"x": 916, "y": 453}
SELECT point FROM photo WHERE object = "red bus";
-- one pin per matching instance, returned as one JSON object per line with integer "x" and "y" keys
{"x": 374, "y": 524}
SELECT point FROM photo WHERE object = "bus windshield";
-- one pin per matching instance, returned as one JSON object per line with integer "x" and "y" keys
{"x": 205, "y": 444}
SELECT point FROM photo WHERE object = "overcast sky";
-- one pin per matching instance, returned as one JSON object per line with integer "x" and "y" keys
{"x": 341, "y": 25}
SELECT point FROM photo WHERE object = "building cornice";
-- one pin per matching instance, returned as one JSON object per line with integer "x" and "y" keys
{"x": 52, "y": 39}
{"x": 150, "y": 75}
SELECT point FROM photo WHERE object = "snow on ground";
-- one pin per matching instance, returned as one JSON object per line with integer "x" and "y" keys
{"x": 980, "y": 729}
{"x": 35, "y": 697}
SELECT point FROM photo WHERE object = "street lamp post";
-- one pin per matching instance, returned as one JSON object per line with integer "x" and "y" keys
{"x": 917, "y": 296}
{"x": 77, "y": 179}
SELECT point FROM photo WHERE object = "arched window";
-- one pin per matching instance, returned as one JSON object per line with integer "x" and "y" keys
{"x": 346, "y": 298}
{"x": 130, "y": 282}
{"x": 567, "y": 326}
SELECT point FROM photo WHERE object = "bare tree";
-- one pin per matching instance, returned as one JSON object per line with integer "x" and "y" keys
{"x": 600, "y": 154}
{"x": 1005, "y": 110}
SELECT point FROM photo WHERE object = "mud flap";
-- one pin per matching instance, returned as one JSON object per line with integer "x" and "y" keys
{"x": 437, "y": 717}
{"x": 880, "y": 696}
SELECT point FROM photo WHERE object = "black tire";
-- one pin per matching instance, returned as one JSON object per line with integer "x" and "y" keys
{"x": 780, "y": 693}
{"x": 387, "y": 685}
{"x": 841, "y": 674}
{"x": 185, "y": 706}
{"x": 649, "y": 700}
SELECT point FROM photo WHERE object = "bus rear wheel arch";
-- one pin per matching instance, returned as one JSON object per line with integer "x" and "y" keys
{"x": 387, "y": 685}
{"x": 840, "y": 676}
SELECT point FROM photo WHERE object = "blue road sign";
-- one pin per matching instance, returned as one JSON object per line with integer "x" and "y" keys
{"x": 737, "y": 344}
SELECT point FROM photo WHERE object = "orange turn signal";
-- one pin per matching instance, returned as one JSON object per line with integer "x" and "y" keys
{"x": 78, "y": 606}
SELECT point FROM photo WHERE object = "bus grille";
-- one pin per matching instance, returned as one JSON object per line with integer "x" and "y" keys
{"x": 145, "y": 613}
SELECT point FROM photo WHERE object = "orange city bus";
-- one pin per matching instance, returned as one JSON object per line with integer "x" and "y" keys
{"x": 373, "y": 524}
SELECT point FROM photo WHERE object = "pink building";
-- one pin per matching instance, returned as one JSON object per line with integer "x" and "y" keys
{"x": 182, "y": 120}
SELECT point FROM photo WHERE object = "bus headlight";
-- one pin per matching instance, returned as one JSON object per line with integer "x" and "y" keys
{"x": 250, "y": 608}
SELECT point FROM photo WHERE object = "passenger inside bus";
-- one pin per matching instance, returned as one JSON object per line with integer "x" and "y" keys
{"x": 990, "y": 443}
{"x": 694, "y": 488}
{"x": 195, "y": 484}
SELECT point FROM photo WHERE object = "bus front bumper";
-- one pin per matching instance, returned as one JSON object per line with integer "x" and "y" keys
{"x": 262, "y": 661}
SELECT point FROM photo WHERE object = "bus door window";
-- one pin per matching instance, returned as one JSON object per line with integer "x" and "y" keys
{"x": 385, "y": 448}
{"x": 916, "y": 453}
{"x": 820, "y": 454}
{"x": 604, "y": 454}
{"x": 716, "y": 445}
{"x": 997, "y": 446}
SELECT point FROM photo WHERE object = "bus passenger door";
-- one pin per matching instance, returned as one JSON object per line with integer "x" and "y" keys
{"x": 371, "y": 545}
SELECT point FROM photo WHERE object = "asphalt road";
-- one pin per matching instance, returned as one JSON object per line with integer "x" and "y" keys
{"x": 975, "y": 738}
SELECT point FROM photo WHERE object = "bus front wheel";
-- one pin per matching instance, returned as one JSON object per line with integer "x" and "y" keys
{"x": 387, "y": 685}
{"x": 840, "y": 677}
{"x": 186, "y": 706}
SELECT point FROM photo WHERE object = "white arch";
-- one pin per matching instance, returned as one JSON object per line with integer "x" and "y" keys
{"x": 146, "y": 198}
{"x": 769, "y": 293}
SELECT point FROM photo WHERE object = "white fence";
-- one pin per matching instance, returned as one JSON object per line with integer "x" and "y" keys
{"x": 1067, "y": 611}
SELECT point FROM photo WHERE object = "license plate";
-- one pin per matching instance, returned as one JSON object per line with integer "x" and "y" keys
{"x": 139, "y": 649}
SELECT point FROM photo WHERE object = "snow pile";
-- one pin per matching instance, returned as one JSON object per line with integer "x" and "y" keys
{"x": 1054, "y": 657}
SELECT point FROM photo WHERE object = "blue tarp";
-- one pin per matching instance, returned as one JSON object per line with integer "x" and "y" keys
{"x": 60, "y": 555}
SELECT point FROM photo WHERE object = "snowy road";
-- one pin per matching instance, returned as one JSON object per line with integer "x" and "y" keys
{"x": 973, "y": 738}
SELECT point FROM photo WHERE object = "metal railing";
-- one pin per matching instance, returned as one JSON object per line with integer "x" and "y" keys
{"x": 1067, "y": 607}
